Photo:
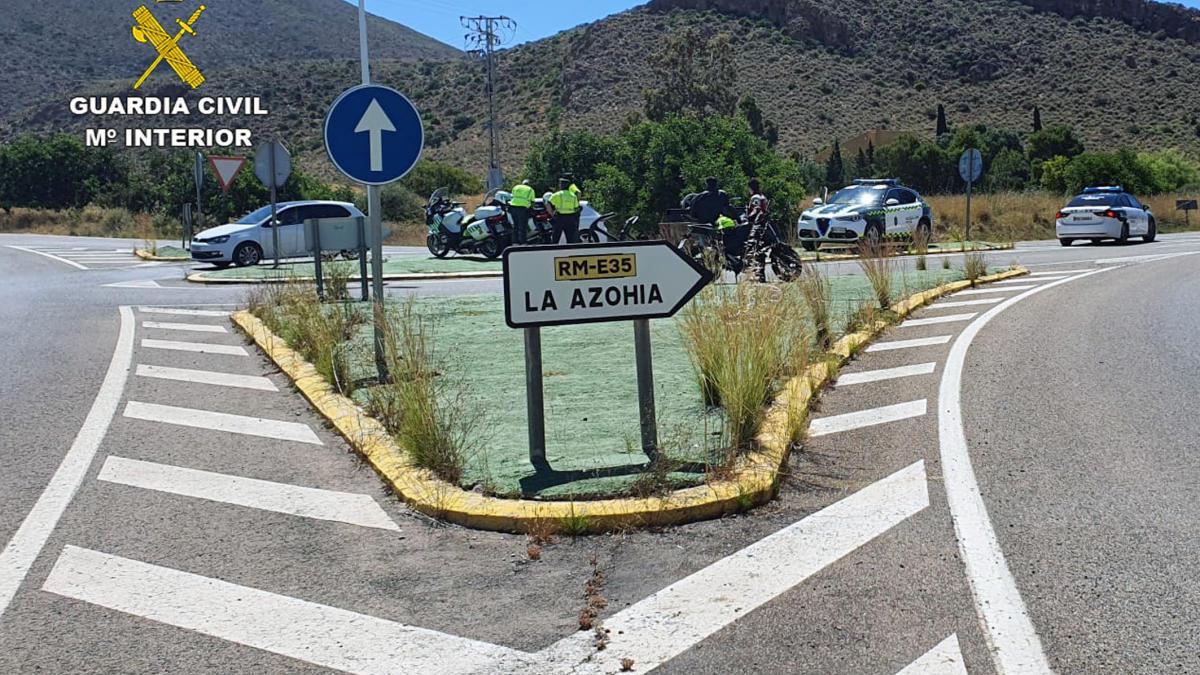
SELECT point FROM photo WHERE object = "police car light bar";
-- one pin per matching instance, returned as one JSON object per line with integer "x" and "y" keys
{"x": 877, "y": 181}
{"x": 1103, "y": 188}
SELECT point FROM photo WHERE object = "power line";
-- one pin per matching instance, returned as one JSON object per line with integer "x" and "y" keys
{"x": 485, "y": 34}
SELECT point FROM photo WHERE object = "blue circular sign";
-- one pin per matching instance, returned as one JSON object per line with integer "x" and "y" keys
{"x": 373, "y": 134}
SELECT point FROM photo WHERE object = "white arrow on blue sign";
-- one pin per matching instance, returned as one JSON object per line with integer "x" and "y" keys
{"x": 373, "y": 134}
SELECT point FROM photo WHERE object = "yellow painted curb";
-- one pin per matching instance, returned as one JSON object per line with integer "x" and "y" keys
{"x": 146, "y": 255}
{"x": 754, "y": 479}
{"x": 202, "y": 278}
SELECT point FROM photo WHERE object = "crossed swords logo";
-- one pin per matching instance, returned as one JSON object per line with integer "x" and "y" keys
{"x": 148, "y": 29}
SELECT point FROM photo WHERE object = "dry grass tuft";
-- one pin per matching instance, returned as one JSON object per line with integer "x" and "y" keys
{"x": 877, "y": 267}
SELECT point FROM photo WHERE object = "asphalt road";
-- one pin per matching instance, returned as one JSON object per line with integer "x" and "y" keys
{"x": 1075, "y": 401}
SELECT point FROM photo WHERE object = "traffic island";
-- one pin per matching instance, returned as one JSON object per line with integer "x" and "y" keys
{"x": 599, "y": 426}
{"x": 163, "y": 254}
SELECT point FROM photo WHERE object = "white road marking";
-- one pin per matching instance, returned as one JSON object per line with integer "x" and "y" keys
{"x": 1143, "y": 258}
{"x": 306, "y": 631}
{"x": 144, "y": 283}
{"x": 1056, "y": 272}
{"x": 216, "y": 421}
{"x": 49, "y": 255}
{"x": 199, "y": 347}
{"x": 341, "y": 507}
{"x": 195, "y": 327}
{"x": 31, "y": 536}
{"x": 182, "y": 312}
{"x": 206, "y": 377}
{"x": 934, "y": 320}
{"x": 847, "y": 379}
{"x": 966, "y": 303}
{"x": 1026, "y": 280}
{"x": 908, "y": 344}
{"x": 944, "y": 659}
{"x": 673, "y": 620}
{"x": 1002, "y": 289}
{"x": 823, "y": 426}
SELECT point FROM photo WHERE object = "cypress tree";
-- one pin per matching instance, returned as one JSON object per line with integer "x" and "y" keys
{"x": 942, "y": 127}
{"x": 1037, "y": 119}
{"x": 835, "y": 170}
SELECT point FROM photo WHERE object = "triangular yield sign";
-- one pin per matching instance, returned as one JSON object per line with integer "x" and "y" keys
{"x": 226, "y": 169}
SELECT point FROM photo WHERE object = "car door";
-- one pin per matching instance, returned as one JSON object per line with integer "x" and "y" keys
{"x": 324, "y": 212}
{"x": 1138, "y": 218}
{"x": 910, "y": 214}
{"x": 290, "y": 223}
{"x": 892, "y": 210}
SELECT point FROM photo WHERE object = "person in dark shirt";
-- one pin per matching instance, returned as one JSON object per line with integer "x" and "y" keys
{"x": 710, "y": 204}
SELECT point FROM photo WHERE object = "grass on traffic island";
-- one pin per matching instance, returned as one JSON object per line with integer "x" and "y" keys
{"x": 594, "y": 365}
{"x": 163, "y": 253}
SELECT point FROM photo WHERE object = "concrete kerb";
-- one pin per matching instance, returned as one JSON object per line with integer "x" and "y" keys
{"x": 146, "y": 255}
{"x": 754, "y": 480}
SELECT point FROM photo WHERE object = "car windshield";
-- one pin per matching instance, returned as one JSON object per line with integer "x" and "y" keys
{"x": 1098, "y": 199}
{"x": 860, "y": 195}
{"x": 255, "y": 217}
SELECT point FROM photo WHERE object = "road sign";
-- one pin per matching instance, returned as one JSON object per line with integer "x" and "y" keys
{"x": 272, "y": 164}
{"x": 970, "y": 165}
{"x": 227, "y": 169}
{"x": 587, "y": 283}
{"x": 373, "y": 134}
{"x": 1185, "y": 205}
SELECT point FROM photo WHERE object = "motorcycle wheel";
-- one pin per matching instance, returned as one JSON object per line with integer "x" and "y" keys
{"x": 437, "y": 245}
{"x": 490, "y": 248}
{"x": 589, "y": 237}
{"x": 785, "y": 263}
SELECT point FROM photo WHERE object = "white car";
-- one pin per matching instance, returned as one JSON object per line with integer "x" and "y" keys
{"x": 1105, "y": 213}
{"x": 251, "y": 239}
{"x": 872, "y": 210}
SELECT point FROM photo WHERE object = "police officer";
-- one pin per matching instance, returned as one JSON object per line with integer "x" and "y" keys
{"x": 564, "y": 209}
{"x": 518, "y": 211}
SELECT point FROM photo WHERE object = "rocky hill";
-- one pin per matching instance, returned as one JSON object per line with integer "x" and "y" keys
{"x": 1122, "y": 72}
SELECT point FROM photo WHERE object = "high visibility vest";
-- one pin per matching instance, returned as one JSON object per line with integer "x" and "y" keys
{"x": 522, "y": 195}
{"x": 565, "y": 202}
{"x": 725, "y": 222}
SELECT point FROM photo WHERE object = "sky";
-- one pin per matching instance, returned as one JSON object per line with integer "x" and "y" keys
{"x": 535, "y": 19}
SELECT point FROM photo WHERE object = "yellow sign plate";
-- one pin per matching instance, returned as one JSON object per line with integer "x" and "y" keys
{"x": 585, "y": 267}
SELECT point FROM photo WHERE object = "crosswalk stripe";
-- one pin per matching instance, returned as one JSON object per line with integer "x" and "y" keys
{"x": 847, "y": 379}
{"x": 182, "y": 312}
{"x": 907, "y": 344}
{"x": 48, "y": 255}
{"x": 206, "y": 377}
{"x": 1003, "y": 289}
{"x": 1025, "y": 280}
{"x": 823, "y": 426}
{"x": 216, "y": 421}
{"x": 1056, "y": 272}
{"x": 944, "y": 659}
{"x": 966, "y": 303}
{"x": 934, "y": 320}
{"x": 342, "y": 507}
{"x": 194, "y": 327}
{"x": 198, "y": 347}
{"x": 306, "y": 631}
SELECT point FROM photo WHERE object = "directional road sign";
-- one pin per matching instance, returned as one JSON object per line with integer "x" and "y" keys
{"x": 226, "y": 168}
{"x": 373, "y": 134}
{"x": 970, "y": 165}
{"x": 272, "y": 164}
{"x": 587, "y": 283}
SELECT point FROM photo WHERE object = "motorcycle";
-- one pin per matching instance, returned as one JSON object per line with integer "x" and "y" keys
{"x": 452, "y": 230}
{"x": 752, "y": 246}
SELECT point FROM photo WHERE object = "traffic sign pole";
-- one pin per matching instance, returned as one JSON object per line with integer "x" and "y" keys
{"x": 274, "y": 223}
{"x": 967, "y": 235}
{"x": 373, "y": 207}
{"x": 645, "y": 381}
{"x": 535, "y": 407}
{"x": 199, "y": 176}
{"x": 970, "y": 167}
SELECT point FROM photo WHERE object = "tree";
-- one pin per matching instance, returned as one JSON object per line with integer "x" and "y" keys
{"x": 835, "y": 170}
{"x": 1037, "y": 119}
{"x": 762, "y": 127}
{"x": 870, "y": 157}
{"x": 1051, "y": 142}
{"x": 862, "y": 168}
{"x": 1009, "y": 171}
{"x": 695, "y": 76}
{"x": 942, "y": 127}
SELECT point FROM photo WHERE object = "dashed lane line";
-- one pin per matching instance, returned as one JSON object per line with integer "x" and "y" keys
{"x": 1002, "y": 289}
{"x": 34, "y": 531}
{"x": 966, "y": 303}
{"x": 182, "y": 312}
{"x": 194, "y": 327}
{"x": 49, "y": 255}
{"x": 935, "y": 320}
{"x": 847, "y": 379}
{"x": 824, "y": 426}
{"x": 944, "y": 659}
{"x": 675, "y": 619}
{"x": 306, "y": 631}
{"x": 217, "y": 421}
{"x": 909, "y": 344}
{"x": 198, "y": 347}
{"x": 206, "y": 377}
{"x": 341, "y": 507}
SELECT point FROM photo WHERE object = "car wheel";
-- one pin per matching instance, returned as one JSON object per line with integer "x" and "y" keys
{"x": 247, "y": 254}
{"x": 808, "y": 245}
{"x": 1066, "y": 242}
{"x": 925, "y": 229}
{"x": 1151, "y": 233}
{"x": 873, "y": 235}
{"x": 1124, "y": 238}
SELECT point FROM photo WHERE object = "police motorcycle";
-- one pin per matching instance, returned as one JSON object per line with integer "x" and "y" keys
{"x": 452, "y": 230}
{"x": 740, "y": 247}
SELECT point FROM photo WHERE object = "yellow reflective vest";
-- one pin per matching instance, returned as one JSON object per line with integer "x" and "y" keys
{"x": 565, "y": 202}
{"x": 725, "y": 222}
{"x": 522, "y": 195}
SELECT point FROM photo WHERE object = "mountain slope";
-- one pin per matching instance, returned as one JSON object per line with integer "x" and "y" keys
{"x": 822, "y": 70}
{"x": 53, "y": 47}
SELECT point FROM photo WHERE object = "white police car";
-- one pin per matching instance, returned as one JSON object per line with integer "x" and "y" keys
{"x": 1104, "y": 213}
{"x": 250, "y": 239}
{"x": 869, "y": 210}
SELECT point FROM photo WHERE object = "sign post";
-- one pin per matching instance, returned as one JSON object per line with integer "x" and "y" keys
{"x": 970, "y": 167}
{"x": 1187, "y": 206}
{"x": 185, "y": 232}
{"x": 198, "y": 175}
{"x": 273, "y": 166}
{"x": 588, "y": 283}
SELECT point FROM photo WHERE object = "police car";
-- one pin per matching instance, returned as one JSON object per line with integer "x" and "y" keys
{"x": 869, "y": 209}
{"x": 1107, "y": 212}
